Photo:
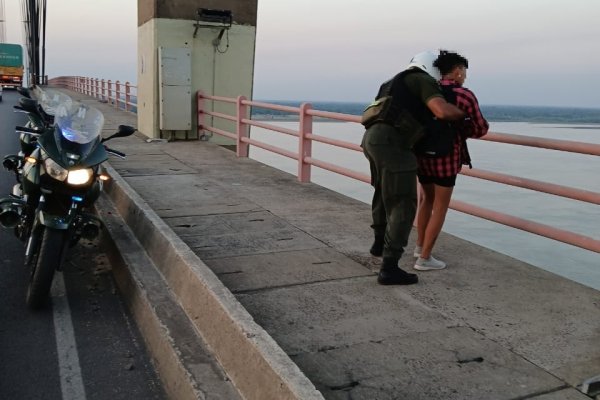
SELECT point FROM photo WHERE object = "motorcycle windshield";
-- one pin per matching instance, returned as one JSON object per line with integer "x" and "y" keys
{"x": 78, "y": 122}
{"x": 50, "y": 100}
{"x": 77, "y": 132}
{"x": 68, "y": 153}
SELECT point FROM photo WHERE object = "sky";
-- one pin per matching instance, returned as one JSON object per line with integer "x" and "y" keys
{"x": 527, "y": 52}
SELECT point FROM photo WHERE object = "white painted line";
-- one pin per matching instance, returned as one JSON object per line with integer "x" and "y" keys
{"x": 71, "y": 382}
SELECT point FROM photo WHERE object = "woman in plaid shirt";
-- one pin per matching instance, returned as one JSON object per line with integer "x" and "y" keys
{"x": 438, "y": 175}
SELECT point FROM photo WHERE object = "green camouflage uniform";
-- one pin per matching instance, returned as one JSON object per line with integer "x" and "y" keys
{"x": 394, "y": 171}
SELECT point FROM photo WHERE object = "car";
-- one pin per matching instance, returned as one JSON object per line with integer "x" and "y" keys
{"x": 0, "y": 92}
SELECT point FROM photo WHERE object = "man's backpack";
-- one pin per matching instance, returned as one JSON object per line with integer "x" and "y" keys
{"x": 440, "y": 136}
{"x": 438, "y": 140}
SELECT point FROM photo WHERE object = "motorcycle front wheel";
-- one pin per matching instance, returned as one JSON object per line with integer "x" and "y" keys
{"x": 44, "y": 262}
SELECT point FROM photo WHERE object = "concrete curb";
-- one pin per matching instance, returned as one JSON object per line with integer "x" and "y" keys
{"x": 147, "y": 298}
{"x": 253, "y": 361}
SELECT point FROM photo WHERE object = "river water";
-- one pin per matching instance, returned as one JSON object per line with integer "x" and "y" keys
{"x": 579, "y": 171}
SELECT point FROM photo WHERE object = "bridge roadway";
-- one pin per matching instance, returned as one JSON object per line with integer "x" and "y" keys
{"x": 276, "y": 277}
{"x": 85, "y": 345}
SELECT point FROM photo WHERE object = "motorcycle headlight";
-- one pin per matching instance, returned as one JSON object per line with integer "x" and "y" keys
{"x": 79, "y": 176}
{"x": 55, "y": 170}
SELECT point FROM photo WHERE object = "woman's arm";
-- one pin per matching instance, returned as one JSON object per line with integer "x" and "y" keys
{"x": 466, "y": 101}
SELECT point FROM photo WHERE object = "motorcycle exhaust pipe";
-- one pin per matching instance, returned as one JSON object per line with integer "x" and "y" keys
{"x": 90, "y": 230}
{"x": 10, "y": 211}
{"x": 9, "y": 215}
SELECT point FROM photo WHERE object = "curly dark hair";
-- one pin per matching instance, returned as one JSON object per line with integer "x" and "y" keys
{"x": 448, "y": 60}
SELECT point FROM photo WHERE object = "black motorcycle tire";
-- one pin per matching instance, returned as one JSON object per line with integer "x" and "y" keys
{"x": 44, "y": 263}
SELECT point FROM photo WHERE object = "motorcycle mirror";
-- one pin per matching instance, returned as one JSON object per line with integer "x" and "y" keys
{"x": 24, "y": 92}
{"x": 29, "y": 105}
{"x": 123, "y": 131}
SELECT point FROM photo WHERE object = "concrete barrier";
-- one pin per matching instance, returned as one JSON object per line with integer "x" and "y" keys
{"x": 251, "y": 359}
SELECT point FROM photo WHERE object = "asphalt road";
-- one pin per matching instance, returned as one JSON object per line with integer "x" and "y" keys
{"x": 85, "y": 345}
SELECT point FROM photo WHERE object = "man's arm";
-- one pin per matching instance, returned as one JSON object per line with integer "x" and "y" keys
{"x": 444, "y": 110}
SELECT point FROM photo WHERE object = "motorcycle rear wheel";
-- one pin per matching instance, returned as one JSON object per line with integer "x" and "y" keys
{"x": 44, "y": 263}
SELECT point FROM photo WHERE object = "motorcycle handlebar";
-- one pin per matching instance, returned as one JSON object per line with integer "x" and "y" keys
{"x": 115, "y": 152}
{"x": 22, "y": 129}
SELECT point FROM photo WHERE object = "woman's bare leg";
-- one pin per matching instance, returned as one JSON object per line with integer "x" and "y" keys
{"x": 424, "y": 212}
{"x": 441, "y": 201}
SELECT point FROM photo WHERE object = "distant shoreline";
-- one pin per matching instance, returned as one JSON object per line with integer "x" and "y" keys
{"x": 531, "y": 114}
{"x": 571, "y": 124}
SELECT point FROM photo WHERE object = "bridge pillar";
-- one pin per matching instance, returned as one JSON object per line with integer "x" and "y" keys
{"x": 190, "y": 45}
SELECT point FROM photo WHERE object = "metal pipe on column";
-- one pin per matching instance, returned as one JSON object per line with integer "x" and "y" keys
{"x": 34, "y": 20}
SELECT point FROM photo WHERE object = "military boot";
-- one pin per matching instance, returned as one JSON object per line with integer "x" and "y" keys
{"x": 391, "y": 274}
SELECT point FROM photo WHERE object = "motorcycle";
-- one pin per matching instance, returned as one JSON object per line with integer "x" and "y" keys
{"x": 40, "y": 116}
{"x": 60, "y": 180}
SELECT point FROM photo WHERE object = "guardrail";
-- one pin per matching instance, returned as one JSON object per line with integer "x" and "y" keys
{"x": 305, "y": 160}
{"x": 121, "y": 95}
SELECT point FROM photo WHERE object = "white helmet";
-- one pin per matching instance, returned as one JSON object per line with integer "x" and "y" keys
{"x": 424, "y": 61}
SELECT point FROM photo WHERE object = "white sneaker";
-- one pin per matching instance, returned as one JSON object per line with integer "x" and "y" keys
{"x": 428, "y": 264}
{"x": 418, "y": 250}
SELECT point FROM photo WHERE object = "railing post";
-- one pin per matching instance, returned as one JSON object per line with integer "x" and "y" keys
{"x": 109, "y": 91}
{"x": 103, "y": 90}
{"x": 200, "y": 116}
{"x": 304, "y": 144}
{"x": 242, "y": 128}
{"x": 127, "y": 96}
{"x": 96, "y": 86}
{"x": 117, "y": 93}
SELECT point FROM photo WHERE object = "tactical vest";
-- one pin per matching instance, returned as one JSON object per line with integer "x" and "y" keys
{"x": 402, "y": 99}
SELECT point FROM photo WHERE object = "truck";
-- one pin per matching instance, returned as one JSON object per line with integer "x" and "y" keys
{"x": 11, "y": 65}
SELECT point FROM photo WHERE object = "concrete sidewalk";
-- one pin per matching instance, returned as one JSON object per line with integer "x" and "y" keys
{"x": 276, "y": 277}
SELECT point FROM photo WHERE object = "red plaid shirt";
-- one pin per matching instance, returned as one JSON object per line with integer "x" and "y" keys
{"x": 474, "y": 125}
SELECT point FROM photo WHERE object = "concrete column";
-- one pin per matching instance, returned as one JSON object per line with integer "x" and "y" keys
{"x": 222, "y": 62}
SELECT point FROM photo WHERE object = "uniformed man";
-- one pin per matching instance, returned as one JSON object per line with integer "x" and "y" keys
{"x": 414, "y": 99}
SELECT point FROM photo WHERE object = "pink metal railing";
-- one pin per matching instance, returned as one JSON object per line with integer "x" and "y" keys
{"x": 116, "y": 93}
{"x": 305, "y": 160}
{"x": 120, "y": 95}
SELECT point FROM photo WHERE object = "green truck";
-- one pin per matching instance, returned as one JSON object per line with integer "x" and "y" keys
{"x": 11, "y": 65}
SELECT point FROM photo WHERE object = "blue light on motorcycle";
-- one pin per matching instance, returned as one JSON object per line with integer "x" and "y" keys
{"x": 77, "y": 198}
{"x": 68, "y": 134}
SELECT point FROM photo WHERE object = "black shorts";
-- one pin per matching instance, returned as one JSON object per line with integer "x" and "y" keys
{"x": 448, "y": 181}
